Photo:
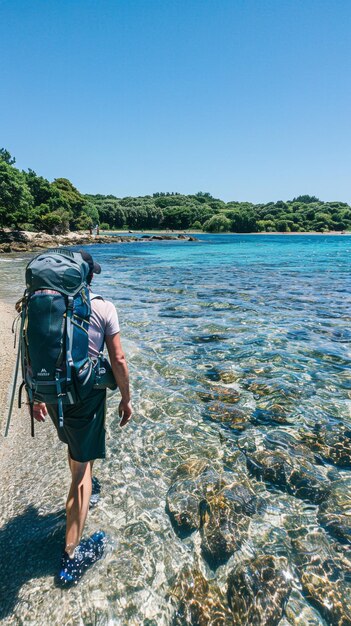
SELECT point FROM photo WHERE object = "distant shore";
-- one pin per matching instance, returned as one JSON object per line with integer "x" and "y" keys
{"x": 193, "y": 232}
{"x": 26, "y": 241}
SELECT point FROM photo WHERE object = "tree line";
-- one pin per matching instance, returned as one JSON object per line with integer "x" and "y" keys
{"x": 31, "y": 202}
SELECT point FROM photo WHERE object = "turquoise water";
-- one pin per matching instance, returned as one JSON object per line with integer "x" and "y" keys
{"x": 278, "y": 302}
{"x": 228, "y": 339}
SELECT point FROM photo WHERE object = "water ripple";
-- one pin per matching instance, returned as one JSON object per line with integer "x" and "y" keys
{"x": 228, "y": 341}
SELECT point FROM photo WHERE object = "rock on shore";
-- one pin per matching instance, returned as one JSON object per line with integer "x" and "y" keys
{"x": 26, "y": 241}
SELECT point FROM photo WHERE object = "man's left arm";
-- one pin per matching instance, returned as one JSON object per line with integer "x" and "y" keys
{"x": 120, "y": 372}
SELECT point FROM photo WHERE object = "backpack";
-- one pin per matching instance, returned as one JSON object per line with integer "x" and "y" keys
{"x": 56, "y": 308}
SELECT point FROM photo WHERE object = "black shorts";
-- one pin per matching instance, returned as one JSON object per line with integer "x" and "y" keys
{"x": 83, "y": 427}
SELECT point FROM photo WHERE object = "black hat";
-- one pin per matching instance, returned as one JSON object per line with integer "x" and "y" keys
{"x": 94, "y": 267}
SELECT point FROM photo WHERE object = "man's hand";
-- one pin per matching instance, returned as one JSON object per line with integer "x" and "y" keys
{"x": 125, "y": 412}
{"x": 39, "y": 411}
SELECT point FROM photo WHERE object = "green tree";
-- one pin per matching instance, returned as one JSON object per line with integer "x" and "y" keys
{"x": 242, "y": 221}
{"x": 6, "y": 156}
{"x": 342, "y": 219}
{"x": 282, "y": 226}
{"x": 306, "y": 199}
{"x": 71, "y": 197}
{"x": 178, "y": 217}
{"x": 322, "y": 221}
{"x": 196, "y": 225}
{"x": 39, "y": 187}
{"x": 88, "y": 217}
{"x": 15, "y": 197}
{"x": 56, "y": 222}
{"x": 51, "y": 208}
{"x": 217, "y": 224}
{"x": 266, "y": 226}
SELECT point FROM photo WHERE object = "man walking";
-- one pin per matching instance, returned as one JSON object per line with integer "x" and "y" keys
{"x": 84, "y": 433}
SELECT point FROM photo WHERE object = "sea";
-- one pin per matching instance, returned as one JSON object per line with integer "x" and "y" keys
{"x": 231, "y": 341}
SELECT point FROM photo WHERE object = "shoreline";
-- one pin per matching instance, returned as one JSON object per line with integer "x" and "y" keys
{"x": 27, "y": 241}
{"x": 191, "y": 232}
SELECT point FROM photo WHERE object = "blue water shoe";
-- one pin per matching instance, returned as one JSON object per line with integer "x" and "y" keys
{"x": 86, "y": 554}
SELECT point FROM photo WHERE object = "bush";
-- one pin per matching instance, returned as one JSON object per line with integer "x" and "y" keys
{"x": 56, "y": 222}
{"x": 28, "y": 226}
{"x": 217, "y": 224}
{"x": 266, "y": 226}
{"x": 83, "y": 222}
{"x": 282, "y": 226}
{"x": 104, "y": 226}
{"x": 197, "y": 225}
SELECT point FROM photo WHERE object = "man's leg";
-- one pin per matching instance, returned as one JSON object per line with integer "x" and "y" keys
{"x": 69, "y": 462}
{"x": 77, "y": 503}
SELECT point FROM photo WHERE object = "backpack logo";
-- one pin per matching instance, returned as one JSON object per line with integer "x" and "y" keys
{"x": 43, "y": 372}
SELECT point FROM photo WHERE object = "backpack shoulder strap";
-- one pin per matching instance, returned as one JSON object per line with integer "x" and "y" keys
{"x": 95, "y": 296}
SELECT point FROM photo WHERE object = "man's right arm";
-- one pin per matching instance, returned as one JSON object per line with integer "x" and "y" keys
{"x": 121, "y": 374}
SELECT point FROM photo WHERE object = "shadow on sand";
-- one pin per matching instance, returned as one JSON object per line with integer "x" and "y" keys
{"x": 30, "y": 547}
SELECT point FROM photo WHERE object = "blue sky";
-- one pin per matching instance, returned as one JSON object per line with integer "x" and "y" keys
{"x": 247, "y": 99}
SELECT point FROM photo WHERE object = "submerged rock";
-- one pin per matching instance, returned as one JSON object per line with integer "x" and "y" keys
{"x": 219, "y": 504}
{"x": 266, "y": 415}
{"x": 230, "y": 416}
{"x": 182, "y": 505}
{"x": 274, "y": 402}
{"x": 200, "y": 603}
{"x": 323, "y": 579}
{"x": 193, "y": 481}
{"x": 258, "y": 590}
{"x": 332, "y": 442}
{"x": 267, "y": 538}
{"x": 335, "y": 513}
{"x": 291, "y": 473}
{"x": 220, "y": 394}
{"x": 192, "y": 468}
{"x": 222, "y": 374}
{"x": 284, "y": 440}
{"x": 220, "y": 403}
{"x": 299, "y": 613}
{"x": 225, "y": 519}
{"x": 171, "y": 237}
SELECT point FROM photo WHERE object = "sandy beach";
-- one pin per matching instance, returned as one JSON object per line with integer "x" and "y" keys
{"x": 32, "y": 501}
{"x": 7, "y": 355}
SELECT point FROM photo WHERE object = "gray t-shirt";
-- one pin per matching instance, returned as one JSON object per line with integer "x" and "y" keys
{"x": 103, "y": 323}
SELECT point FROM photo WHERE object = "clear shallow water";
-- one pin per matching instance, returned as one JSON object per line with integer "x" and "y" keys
{"x": 227, "y": 339}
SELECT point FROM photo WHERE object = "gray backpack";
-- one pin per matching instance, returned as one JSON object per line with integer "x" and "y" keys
{"x": 53, "y": 346}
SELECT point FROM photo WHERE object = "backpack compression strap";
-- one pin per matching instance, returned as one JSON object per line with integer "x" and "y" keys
{"x": 69, "y": 360}
{"x": 59, "y": 398}
{"x": 69, "y": 338}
